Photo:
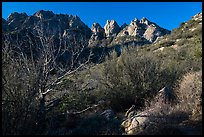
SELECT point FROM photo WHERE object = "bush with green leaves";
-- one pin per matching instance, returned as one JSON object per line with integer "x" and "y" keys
{"x": 129, "y": 79}
{"x": 139, "y": 73}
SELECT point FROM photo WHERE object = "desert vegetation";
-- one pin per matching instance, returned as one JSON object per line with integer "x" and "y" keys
{"x": 41, "y": 95}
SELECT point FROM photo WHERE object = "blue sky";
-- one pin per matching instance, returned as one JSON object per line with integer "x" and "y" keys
{"x": 166, "y": 14}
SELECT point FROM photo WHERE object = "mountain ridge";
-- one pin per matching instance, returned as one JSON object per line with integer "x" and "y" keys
{"x": 61, "y": 23}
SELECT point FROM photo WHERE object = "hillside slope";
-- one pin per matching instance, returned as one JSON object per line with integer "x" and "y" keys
{"x": 163, "y": 78}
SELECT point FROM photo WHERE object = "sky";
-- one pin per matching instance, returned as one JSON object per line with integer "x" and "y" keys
{"x": 168, "y": 15}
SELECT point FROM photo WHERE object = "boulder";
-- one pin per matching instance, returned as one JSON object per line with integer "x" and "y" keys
{"x": 136, "y": 122}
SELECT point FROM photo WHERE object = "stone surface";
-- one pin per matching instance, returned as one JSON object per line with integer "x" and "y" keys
{"x": 136, "y": 122}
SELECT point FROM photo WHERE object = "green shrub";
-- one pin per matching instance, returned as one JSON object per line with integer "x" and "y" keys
{"x": 76, "y": 101}
{"x": 129, "y": 79}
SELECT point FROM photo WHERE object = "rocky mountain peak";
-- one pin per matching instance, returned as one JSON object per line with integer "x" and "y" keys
{"x": 143, "y": 29}
{"x": 16, "y": 16}
{"x": 96, "y": 28}
{"x": 71, "y": 26}
{"x": 111, "y": 28}
{"x": 145, "y": 21}
{"x": 197, "y": 17}
{"x": 44, "y": 14}
{"x": 15, "y": 20}
{"x": 135, "y": 22}
{"x": 98, "y": 33}
{"x": 75, "y": 22}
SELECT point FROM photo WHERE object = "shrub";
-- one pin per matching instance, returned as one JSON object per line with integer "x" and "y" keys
{"x": 129, "y": 79}
{"x": 76, "y": 101}
{"x": 167, "y": 43}
{"x": 189, "y": 93}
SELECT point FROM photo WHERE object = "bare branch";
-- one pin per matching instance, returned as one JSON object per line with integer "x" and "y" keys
{"x": 84, "y": 110}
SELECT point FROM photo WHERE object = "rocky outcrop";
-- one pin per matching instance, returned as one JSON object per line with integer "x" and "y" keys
{"x": 137, "y": 122}
{"x": 97, "y": 29}
{"x": 44, "y": 14}
{"x": 15, "y": 20}
{"x": 111, "y": 28}
{"x": 143, "y": 28}
{"x": 69, "y": 28}
{"x": 98, "y": 34}
{"x": 197, "y": 17}
{"x": 47, "y": 22}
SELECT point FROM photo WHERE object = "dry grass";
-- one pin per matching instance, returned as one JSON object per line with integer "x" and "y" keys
{"x": 183, "y": 117}
{"x": 189, "y": 94}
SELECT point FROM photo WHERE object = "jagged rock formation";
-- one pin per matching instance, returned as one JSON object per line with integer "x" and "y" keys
{"x": 143, "y": 28}
{"x": 134, "y": 29}
{"x": 71, "y": 30}
{"x": 98, "y": 33}
{"x": 15, "y": 20}
{"x": 98, "y": 30}
{"x": 197, "y": 17}
{"x": 48, "y": 23}
{"x": 111, "y": 28}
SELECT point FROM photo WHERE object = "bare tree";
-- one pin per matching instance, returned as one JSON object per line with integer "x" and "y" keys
{"x": 27, "y": 72}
